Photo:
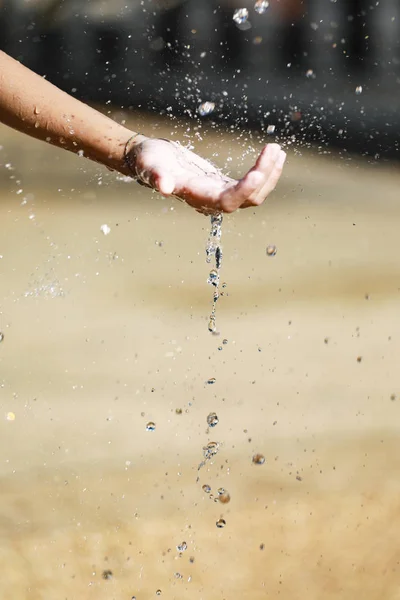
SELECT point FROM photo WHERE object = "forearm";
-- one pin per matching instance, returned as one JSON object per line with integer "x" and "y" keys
{"x": 34, "y": 106}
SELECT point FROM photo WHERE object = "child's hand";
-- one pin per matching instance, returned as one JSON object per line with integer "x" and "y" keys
{"x": 171, "y": 169}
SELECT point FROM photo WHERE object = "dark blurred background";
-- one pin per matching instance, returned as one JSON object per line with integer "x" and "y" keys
{"x": 323, "y": 71}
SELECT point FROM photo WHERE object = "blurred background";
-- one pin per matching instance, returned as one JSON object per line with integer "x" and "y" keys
{"x": 107, "y": 370}
{"x": 322, "y": 70}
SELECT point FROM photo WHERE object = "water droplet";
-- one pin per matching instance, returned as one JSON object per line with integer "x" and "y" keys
{"x": 107, "y": 574}
{"x": 211, "y": 380}
{"x": 206, "y": 488}
{"x": 240, "y": 15}
{"x": 258, "y": 459}
{"x": 310, "y": 74}
{"x": 10, "y": 416}
{"x": 359, "y": 90}
{"x": 178, "y": 576}
{"x": 182, "y": 547}
{"x": 221, "y": 523}
{"x": 37, "y": 125}
{"x": 270, "y": 129}
{"x": 210, "y": 450}
{"x": 261, "y": 6}
{"x": 150, "y": 426}
{"x": 206, "y": 108}
{"x": 213, "y": 277}
{"x": 212, "y": 419}
{"x": 271, "y": 250}
{"x": 36, "y": 110}
{"x": 212, "y": 328}
{"x": 158, "y": 593}
{"x": 178, "y": 411}
{"x": 225, "y": 341}
{"x": 105, "y": 229}
{"x": 223, "y": 496}
{"x": 1, "y": 336}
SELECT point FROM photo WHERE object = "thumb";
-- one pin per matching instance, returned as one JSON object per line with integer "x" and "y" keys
{"x": 166, "y": 184}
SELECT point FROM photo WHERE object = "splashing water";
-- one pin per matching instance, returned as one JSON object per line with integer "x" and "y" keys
{"x": 240, "y": 15}
{"x": 212, "y": 419}
{"x": 209, "y": 452}
{"x": 182, "y": 547}
{"x": 261, "y": 6}
{"x": 258, "y": 459}
{"x": 206, "y": 108}
{"x": 213, "y": 249}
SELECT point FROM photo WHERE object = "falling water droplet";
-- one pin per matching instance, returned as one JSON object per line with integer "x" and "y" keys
{"x": 270, "y": 129}
{"x": 206, "y": 488}
{"x": 211, "y": 380}
{"x": 359, "y": 90}
{"x": 213, "y": 278}
{"x": 107, "y": 574}
{"x": 221, "y": 523}
{"x": 1, "y": 336}
{"x": 310, "y": 74}
{"x": 150, "y": 426}
{"x": 261, "y": 6}
{"x": 105, "y": 229}
{"x": 206, "y": 108}
{"x": 271, "y": 250}
{"x": 210, "y": 450}
{"x": 258, "y": 459}
{"x": 212, "y": 419}
{"x": 182, "y": 547}
{"x": 240, "y": 15}
{"x": 158, "y": 593}
{"x": 223, "y": 496}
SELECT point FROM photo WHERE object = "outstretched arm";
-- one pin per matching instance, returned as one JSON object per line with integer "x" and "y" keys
{"x": 34, "y": 106}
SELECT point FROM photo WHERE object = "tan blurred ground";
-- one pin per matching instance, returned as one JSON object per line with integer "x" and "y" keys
{"x": 105, "y": 333}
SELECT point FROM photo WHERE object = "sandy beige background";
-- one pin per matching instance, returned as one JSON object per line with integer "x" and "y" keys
{"x": 105, "y": 333}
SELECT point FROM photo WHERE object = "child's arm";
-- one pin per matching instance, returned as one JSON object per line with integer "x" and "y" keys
{"x": 34, "y": 106}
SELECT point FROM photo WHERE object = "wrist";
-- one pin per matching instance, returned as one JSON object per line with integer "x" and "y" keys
{"x": 118, "y": 157}
{"x": 129, "y": 155}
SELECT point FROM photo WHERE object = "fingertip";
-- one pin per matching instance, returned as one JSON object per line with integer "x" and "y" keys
{"x": 271, "y": 148}
{"x": 281, "y": 159}
{"x": 166, "y": 185}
